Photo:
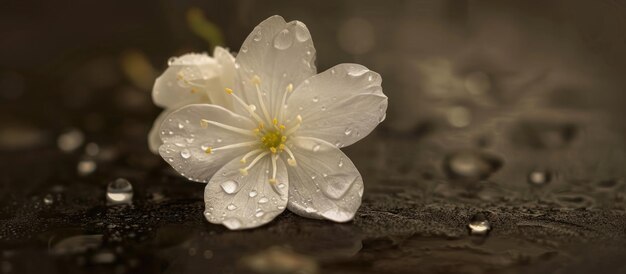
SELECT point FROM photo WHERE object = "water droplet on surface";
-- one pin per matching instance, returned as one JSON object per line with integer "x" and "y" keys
{"x": 119, "y": 191}
{"x": 219, "y": 140}
{"x": 252, "y": 194}
{"x": 92, "y": 149}
{"x": 86, "y": 167}
{"x": 316, "y": 148}
{"x": 185, "y": 153}
{"x": 181, "y": 126}
{"x": 340, "y": 164}
{"x": 479, "y": 225}
{"x": 281, "y": 185}
{"x": 48, "y": 199}
{"x": 231, "y": 207}
{"x": 263, "y": 200}
{"x": 232, "y": 223}
{"x": 310, "y": 210}
{"x": 70, "y": 140}
{"x": 323, "y": 108}
{"x": 259, "y": 214}
{"x": 347, "y": 131}
{"x": 471, "y": 165}
{"x": 316, "y": 99}
{"x": 229, "y": 186}
{"x": 244, "y": 49}
{"x": 283, "y": 40}
{"x": 539, "y": 178}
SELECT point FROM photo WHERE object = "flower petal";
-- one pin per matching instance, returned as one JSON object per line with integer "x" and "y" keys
{"x": 325, "y": 183}
{"x": 187, "y": 81}
{"x": 245, "y": 201}
{"x": 341, "y": 105}
{"x": 279, "y": 54}
{"x": 226, "y": 62}
{"x": 195, "y": 136}
{"x": 154, "y": 139}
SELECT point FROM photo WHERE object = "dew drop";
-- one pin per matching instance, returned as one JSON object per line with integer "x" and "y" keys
{"x": 281, "y": 185}
{"x": 180, "y": 126}
{"x": 323, "y": 108}
{"x": 185, "y": 153}
{"x": 48, "y": 199}
{"x": 539, "y": 178}
{"x": 219, "y": 140}
{"x": 347, "y": 131}
{"x": 244, "y": 49}
{"x": 316, "y": 99}
{"x": 310, "y": 210}
{"x": 119, "y": 191}
{"x": 302, "y": 33}
{"x": 479, "y": 225}
{"x": 232, "y": 223}
{"x": 257, "y": 36}
{"x": 252, "y": 194}
{"x": 86, "y": 167}
{"x": 333, "y": 71}
{"x": 259, "y": 214}
{"x": 171, "y": 61}
{"x": 263, "y": 200}
{"x": 229, "y": 186}
{"x": 231, "y": 207}
{"x": 340, "y": 162}
{"x": 283, "y": 40}
{"x": 316, "y": 148}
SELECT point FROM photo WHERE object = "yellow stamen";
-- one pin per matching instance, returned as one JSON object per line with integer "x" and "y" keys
{"x": 229, "y": 91}
{"x": 209, "y": 150}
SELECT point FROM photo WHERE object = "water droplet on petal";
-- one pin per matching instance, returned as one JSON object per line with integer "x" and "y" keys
{"x": 281, "y": 185}
{"x": 283, "y": 40}
{"x": 340, "y": 162}
{"x": 347, "y": 131}
{"x": 259, "y": 214}
{"x": 257, "y": 36}
{"x": 316, "y": 148}
{"x": 181, "y": 126}
{"x": 119, "y": 191}
{"x": 171, "y": 61}
{"x": 232, "y": 223}
{"x": 185, "y": 153}
{"x": 229, "y": 186}
{"x": 244, "y": 49}
{"x": 263, "y": 200}
{"x": 302, "y": 33}
{"x": 252, "y": 194}
{"x": 316, "y": 99}
{"x": 231, "y": 207}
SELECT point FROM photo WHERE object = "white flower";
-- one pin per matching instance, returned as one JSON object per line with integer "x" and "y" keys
{"x": 192, "y": 79}
{"x": 278, "y": 148}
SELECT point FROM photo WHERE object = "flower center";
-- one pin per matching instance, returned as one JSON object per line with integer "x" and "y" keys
{"x": 273, "y": 140}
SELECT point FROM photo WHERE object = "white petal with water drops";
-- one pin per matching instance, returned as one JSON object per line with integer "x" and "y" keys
{"x": 238, "y": 206}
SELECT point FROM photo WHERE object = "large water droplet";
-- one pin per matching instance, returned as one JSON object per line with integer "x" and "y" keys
{"x": 302, "y": 33}
{"x": 252, "y": 194}
{"x": 231, "y": 207}
{"x": 283, "y": 40}
{"x": 259, "y": 214}
{"x": 229, "y": 186}
{"x": 263, "y": 200}
{"x": 539, "y": 178}
{"x": 119, "y": 191}
{"x": 232, "y": 223}
{"x": 479, "y": 225}
{"x": 185, "y": 153}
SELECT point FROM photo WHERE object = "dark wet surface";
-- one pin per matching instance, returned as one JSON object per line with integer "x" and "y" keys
{"x": 503, "y": 150}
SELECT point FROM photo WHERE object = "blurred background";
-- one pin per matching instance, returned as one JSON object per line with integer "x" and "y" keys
{"x": 508, "y": 115}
